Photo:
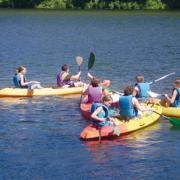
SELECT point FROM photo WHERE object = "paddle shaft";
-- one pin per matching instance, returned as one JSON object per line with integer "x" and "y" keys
{"x": 161, "y": 78}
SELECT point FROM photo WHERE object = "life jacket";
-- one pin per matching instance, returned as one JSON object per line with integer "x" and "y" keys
{"x": 16, "y": 81}
{"x": 177, "y": 100}
{"x": 104, "y": 114}
{"x": 60, "y": 78}
{"x": 127, "y": 108}
{"x": 143, "y": 90}
{"x": 94, "y": 94}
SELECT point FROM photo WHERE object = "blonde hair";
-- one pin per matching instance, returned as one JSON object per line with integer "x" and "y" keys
{"x": 106, "y": 98}
{"x": 140, "y": 79}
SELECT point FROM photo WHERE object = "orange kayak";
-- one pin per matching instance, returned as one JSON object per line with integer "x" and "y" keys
{"x": 124, "y": 127}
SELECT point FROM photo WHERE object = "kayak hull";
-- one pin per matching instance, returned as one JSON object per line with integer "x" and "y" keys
{"x": 18, "y": 92}
{"x": 124, "y": 127}
{"x": 171, "y": 111}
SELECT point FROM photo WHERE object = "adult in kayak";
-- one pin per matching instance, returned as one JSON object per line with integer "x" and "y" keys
{"x": 100, "y": 112}
{"x": 174, "y": 100}
{"x": 64, "y": 79}
{"x": 19, "y": 80}
{"x": 141, "y": 88}
{"x": 129, "y": 105}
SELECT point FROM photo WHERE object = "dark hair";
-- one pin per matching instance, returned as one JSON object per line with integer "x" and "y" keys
{"x": 128, "y": 90}
{"x": 64, "y": 67}
{"x": 140, "y": 79}
{"x": 20, "y": 69}
{"x": 95, "y": 81}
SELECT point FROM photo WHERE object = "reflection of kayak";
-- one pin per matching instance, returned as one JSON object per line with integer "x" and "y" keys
{"x": 17, "y": 92}
{"x": 148, "y": 118}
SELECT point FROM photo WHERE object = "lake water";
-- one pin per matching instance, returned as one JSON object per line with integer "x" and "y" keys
{"x": 39, "y": 137}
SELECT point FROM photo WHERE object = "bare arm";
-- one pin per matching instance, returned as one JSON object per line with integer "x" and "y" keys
{"x": 94, "y": 115}
{"x": 135, "y": 91}
{"x": 76, "y": 77}
{"x": 22, "y": 81}
{"x": 172, "y": 99}
{"x": 138, "y": 105}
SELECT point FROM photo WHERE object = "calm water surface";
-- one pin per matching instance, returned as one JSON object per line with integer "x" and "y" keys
{"x": 39, "y": 137}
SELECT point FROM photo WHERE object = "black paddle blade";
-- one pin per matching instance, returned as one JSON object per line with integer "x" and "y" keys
{"x": 91, "y": 61}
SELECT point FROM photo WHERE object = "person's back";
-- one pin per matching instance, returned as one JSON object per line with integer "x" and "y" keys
{"x": 141, "y": 88}
{"x": 127, "y": 109}
{"x": 94, "y": 91}
{"x": 16, "y": 80}
{"x": 126, "y": 105}
{"x": 94, "y": 94}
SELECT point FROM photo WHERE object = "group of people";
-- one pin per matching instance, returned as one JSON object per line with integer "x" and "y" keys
{"x": 128, "y": 104}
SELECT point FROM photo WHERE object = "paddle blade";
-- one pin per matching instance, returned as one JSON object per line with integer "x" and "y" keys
{"x": 174, "y": 121}
{"x": 91, "y": 61}
{"x": 79, "y": 60}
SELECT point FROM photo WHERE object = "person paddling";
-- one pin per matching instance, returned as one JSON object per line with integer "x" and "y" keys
{"x": 64, "y": 79}
{"x": 20, "y": 81}
{"x": 141, "y": 88}
{"x": 174, "y": 100}
{"x": 100, "y": 112}
{"x": 129, "y": 105}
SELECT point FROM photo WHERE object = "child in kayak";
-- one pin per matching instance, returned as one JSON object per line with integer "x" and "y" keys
{"x": 19, "y": 80}
{"x": 94, "y": 91}
{"x": 141, "y": 88}
{"x": 129, "y": 105}
{"x": 64, "y": 79}
{"x": 100, "y": 112}
{"x": 174, "y": 100}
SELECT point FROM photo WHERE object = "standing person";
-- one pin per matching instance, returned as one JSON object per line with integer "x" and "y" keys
{"x": 174, "y": 100}
{"x": 141, "y": 88}
{"x": 129, "y": 105}
{"x": 64, "y": 79}
{"x": 19, "y": 80}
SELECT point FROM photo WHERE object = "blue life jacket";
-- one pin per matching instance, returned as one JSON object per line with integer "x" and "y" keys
{"x": 16, "y": 81}
{"x": 104, "y": 114}
{"x": 177, "y": 100}
{"x": 143, "y": 90}
{"x": 127, "y": 108}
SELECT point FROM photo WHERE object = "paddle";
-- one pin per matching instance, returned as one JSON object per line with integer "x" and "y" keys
{"x": 172, "y": 120}
{"x": 91, "y": 60}
{"x": 79, "y": 61}
{"x": 161, "y": 78}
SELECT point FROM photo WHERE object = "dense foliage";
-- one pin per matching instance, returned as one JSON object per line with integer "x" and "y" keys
{"x": 92, "y": 4}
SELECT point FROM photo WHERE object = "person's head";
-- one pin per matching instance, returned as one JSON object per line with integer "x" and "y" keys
{"x": 95, "y": 82}
{"x": 177, "y": 83}
{"x": 65, "y": 68}
{"x": 107, "y": 100}
{"x": 128, "y": 90}
{"x": 140, "y": 79}
{"x": 21, "y": 69}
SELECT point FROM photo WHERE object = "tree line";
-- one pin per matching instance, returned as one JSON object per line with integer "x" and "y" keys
{"x": 92, "y": 4}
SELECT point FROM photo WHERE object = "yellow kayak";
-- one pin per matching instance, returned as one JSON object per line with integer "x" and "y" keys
{"x": 18, "y": 92}
{"x": 171, "y": 111}
{"x": 146, "y": 119}
{"x": 168, "y": 111}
